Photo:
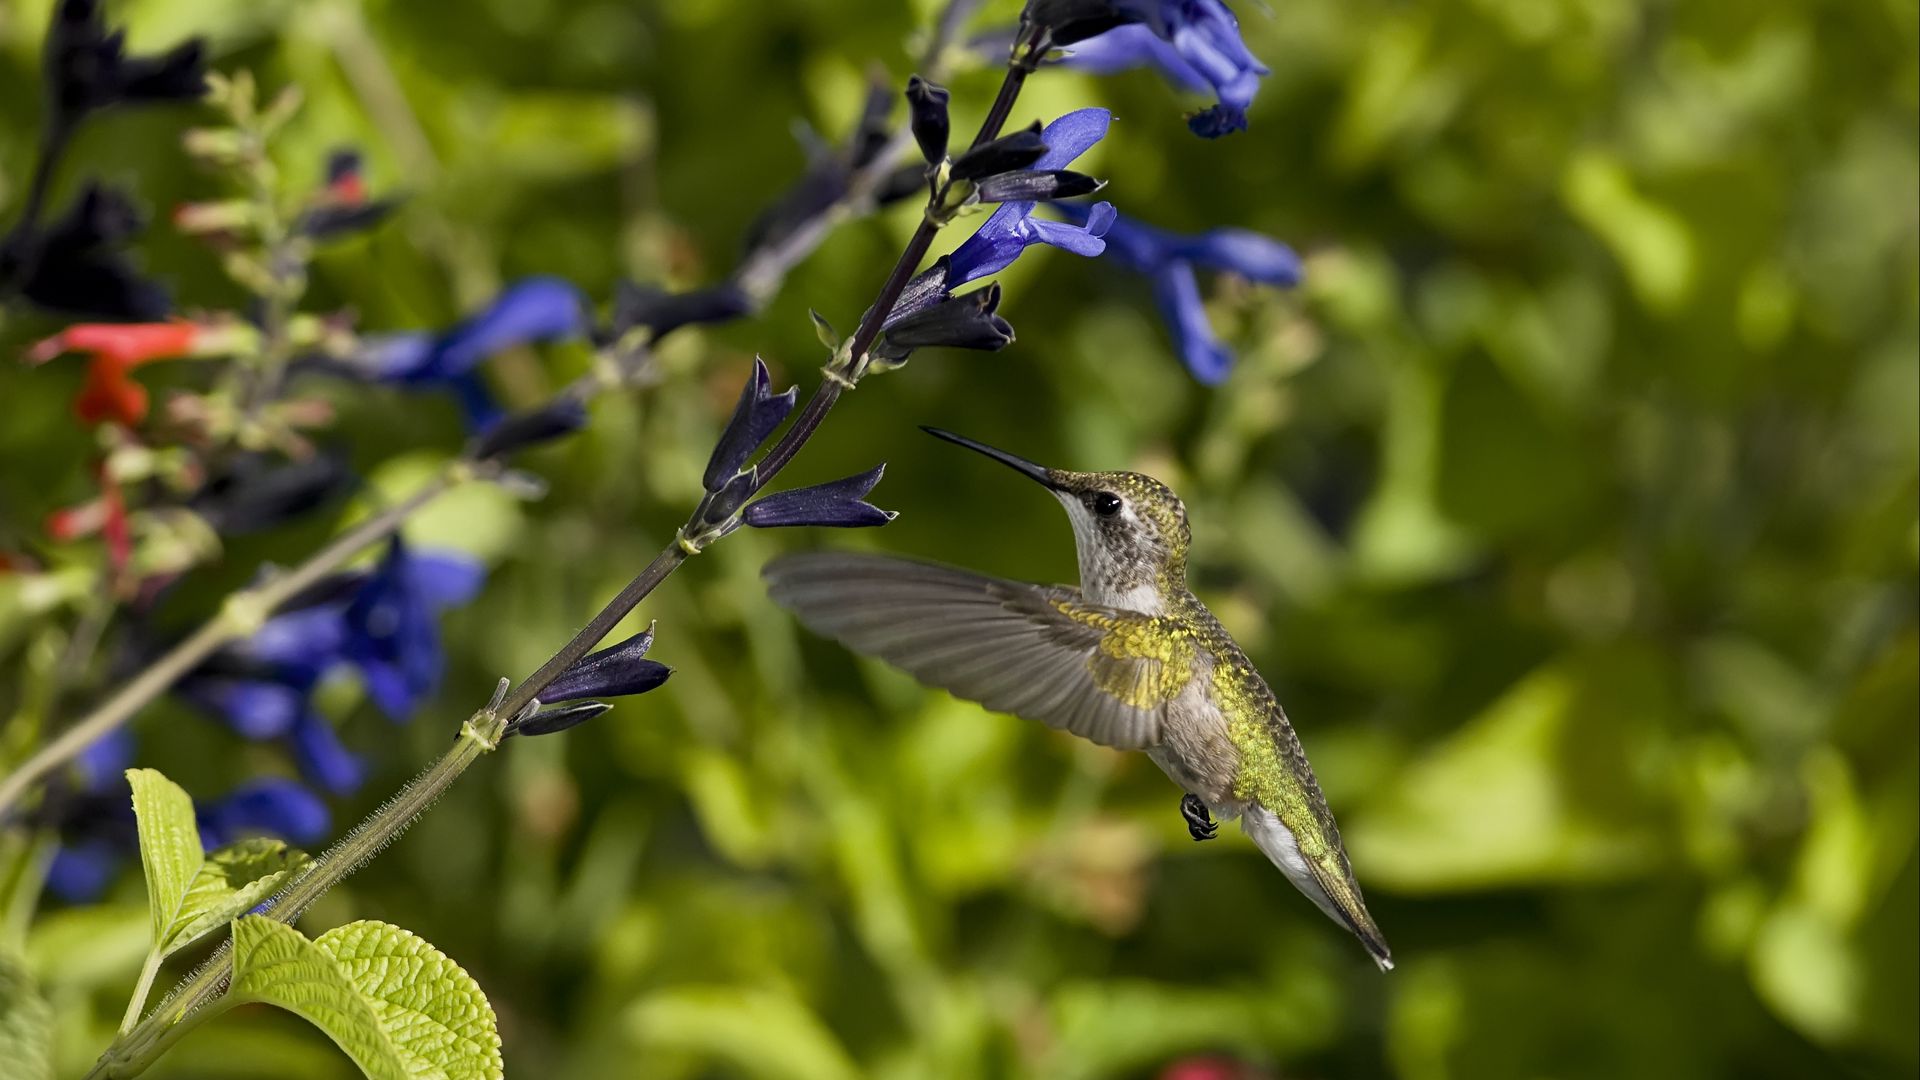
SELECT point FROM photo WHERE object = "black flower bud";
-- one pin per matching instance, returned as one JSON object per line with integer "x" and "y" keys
{"x": 928, "y": 107}
{"x": 758, "y": 412}
{"x": 1004, "y": 154}
{"x": 551, "y": 721}
{"x": 1068, "y": 21}
{"x": 1026, "y": 185}
{"x": 838, "y": 504}
{"x": 253, "y": 492}
{"x": 663, "y": 312}
{"x": 616, "y": 671}
{"x": 557, "y": 419}
{"x": 87, "y": 66}
{"x": 962, "y": 322}
{"x": 76, "y": 265}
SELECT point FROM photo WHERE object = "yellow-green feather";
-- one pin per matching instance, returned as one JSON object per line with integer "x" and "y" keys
{"x": 1166, "y": 645}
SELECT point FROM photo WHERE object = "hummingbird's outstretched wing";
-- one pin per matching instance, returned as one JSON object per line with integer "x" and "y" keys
{"x": 1034, "y": 651}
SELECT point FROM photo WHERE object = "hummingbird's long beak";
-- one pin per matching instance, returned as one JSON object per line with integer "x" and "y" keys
{"x": 1038, "y": 473}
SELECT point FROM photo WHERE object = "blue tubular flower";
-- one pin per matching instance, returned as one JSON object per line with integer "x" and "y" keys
{"x": 82, "y": 870}
{"x": 1131, "y": 46}
{"x": 270, "y": 806}
{"x": 391, "y": 632}
{"x": 95, "y": 825}
{"x": 530, "y": 310}
{"x": 1012, "y": 228}
{"x": 1195, "y": 44}
{"x": 255, "y": 708}
{"x": 322, "y": 757}
{"x": 98, "y": 834}
{"x": 260, "y": 685}
{"x": 1169, "y": 260}
{"x": 381, "y": 621}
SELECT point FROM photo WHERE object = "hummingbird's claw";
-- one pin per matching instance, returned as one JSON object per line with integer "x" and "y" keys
{"x": 1200, "y": 823}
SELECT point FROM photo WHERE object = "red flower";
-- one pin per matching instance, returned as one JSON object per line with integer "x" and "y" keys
{"x": 114, "y": 349}
{"x": 1209, "y": 1067}
{"x": 125, "y": 344}
{"x": 106, "y": 515}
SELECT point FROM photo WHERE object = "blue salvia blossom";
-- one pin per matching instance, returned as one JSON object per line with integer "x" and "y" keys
{"x": 96, "y": 825}
{"x": 381, "y": 622}
{"x": 266, "y": 806}
{"x": 1169, "y": 260}
{"x": 393, "y": 632}
{"x": 1194, "y": 44}
{"x": 1012, "y": 228}
{"x": 534, "y": 309}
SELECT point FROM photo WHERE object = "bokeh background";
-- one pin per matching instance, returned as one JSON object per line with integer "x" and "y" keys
{"x": 1570, "y": 507}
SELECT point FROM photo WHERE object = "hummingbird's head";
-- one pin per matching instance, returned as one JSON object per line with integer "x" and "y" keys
{"x": 1130, "y": 529}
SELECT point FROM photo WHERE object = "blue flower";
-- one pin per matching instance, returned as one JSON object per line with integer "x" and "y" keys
{"x": 270, "y": 806}
{"x": 392, "y": 632}
{"x": 322, "y": 757}
{"x": 96, "y": 829}
{"x": 530, "y": 310}
{"x": 1012, "y": 228}
{"x": 1169, "y": 259}
{"x": 381, "y": 622}
{"x": 1194, "y": 44}
{"x": 98, "y": 835}
{"x": 263, "y": 688}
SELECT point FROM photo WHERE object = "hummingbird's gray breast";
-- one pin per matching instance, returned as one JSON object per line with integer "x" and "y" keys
{"x": 1195, "y": 751}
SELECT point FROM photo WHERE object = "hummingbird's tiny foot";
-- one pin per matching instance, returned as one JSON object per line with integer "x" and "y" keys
{"x": 1200, "y": 824}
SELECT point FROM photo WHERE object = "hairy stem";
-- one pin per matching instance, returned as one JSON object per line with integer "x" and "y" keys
{"x": 479, "y": 735}
{"x": 796, "y": 436}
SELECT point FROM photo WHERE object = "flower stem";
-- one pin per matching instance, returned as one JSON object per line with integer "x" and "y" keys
{"x": 203, "y": 993}
{"x": 479, "y": 735}
{"x": 796, "y": 436}
{"x": 238, "y": 617}
{"x": 141, "y": 988}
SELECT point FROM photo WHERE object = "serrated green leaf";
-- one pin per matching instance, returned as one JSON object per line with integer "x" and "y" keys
{"x": 398, "y": 1006}
{"x": 231, "y": 880}
{"x": 26, "y": 1024}
{"x": 170, "y": 852}
{"x": 276, "y": 965}
{"x": 431, "y": 1008}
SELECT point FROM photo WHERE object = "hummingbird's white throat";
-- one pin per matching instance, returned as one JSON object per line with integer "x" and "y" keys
{"x": 1116, "y": 565}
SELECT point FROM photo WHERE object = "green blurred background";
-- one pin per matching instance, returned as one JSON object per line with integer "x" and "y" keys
{"x": 1570, "y": 508}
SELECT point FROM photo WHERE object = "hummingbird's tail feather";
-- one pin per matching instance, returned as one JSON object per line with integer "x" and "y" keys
{"x": 1340, "y": 899}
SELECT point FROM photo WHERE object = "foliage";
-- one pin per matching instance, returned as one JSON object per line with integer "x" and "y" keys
{"x": 1569, "y": 505}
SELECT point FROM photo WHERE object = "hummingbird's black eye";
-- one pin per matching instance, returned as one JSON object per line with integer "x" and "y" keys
{"x": 1105, "y": 503}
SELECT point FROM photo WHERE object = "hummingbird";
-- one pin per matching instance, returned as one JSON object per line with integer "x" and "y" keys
{"x": 1130, "y": 659}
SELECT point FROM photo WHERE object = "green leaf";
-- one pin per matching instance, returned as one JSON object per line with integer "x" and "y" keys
{"x": 398, "y": 1006}
{"x": 26, "y": 1024}
{"x": 170, "y": 851}
{"x": 431, "y": 1008}
{"x": 273, "y": 963}
{"x": 231, "y": 880}
{"x": 759, "y": 1033}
